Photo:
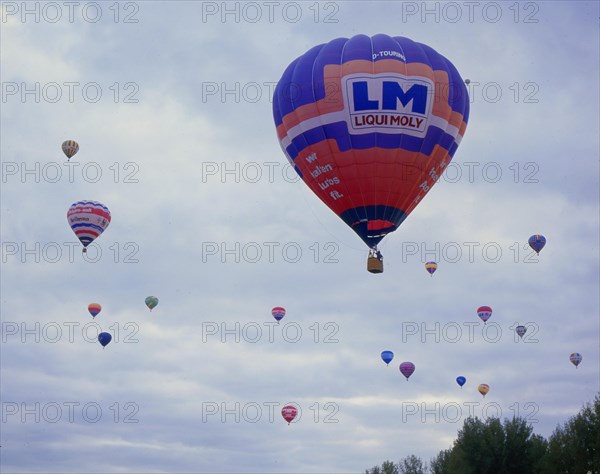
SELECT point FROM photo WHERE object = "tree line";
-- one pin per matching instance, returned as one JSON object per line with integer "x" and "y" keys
{"x": 510, "y": 447}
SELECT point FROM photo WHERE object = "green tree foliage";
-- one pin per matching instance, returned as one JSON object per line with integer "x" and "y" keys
{"x": 411, "y": 465}
{"x": 495, "y": 447}
{"x": 384, "y": 469}
{"x": 510, "y": 447}
{"x": 575, "y": 446}
{"x": 388, "y": 467}
{"x": 439, "y": 464}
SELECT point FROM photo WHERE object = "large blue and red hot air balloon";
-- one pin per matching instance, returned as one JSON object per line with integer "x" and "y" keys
{"x": 370, "y": 124}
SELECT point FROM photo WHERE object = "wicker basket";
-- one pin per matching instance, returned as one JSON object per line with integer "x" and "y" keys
{"x": 374, "y": 265}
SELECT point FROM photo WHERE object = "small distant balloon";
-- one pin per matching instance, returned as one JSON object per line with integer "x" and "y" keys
{"x": 483, "y": 389}
{"x": 69, "y": 148}
{"x": 94, "y": 309}
{"x": 407, "y": 369}
{"x": 576, "y": 358}
{"x": 484, "y": 312}
{"x": 289, "y": 412}
{"x": 387, "y": 356}
{"x": 460, "y": 380}
{"x": 537, "y": 242}
{"x": 278, "y": 313}
{"x": 431, "y": 267}
{"x": 104, "y": 338}
{"x": 521, "y": 330}
{"x": 151, "y": 302}
{"x": 467, "y": 81}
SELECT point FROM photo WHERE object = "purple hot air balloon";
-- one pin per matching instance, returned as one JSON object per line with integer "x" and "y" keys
{"x": 407, "y": 369}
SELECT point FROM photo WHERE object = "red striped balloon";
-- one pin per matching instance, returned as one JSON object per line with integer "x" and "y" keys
{"x": 278, "y": 313}
{"x": 484, "y": 312}
{"x": 94, "y": 309}
{"x": 289, "y": 412}
{"x": 88, "y": 219}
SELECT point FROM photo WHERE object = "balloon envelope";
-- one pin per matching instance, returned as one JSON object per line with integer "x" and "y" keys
{"x": 370, "y": 124}
{"x": 484, "y": 312}
{"x": 94, "y": 309}
{"x": 104, "y": 338}
{"x": 576, "y": 358}
{"x": 69, "y": 148}
{"x": 387, "y": 356}
{"x": 537, "y": 242}
{"x": 460, "y": 380}
{"x": 431, "y": 267}
{"x": 289, "y": 412}
{"x": 521, "y": 330}
{"x": 88, "y": 219}
{"x": 407, "y": 369}
{"x": 483, "y": 388}
{"x": 278, "y": 313}
{"x": 151, "y": 302}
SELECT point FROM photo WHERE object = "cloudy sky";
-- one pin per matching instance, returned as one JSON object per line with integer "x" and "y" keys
{"x": 171, "y": 105}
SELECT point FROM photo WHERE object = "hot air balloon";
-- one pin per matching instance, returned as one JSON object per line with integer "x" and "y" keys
{"x": 69, "y": 148}
{"x": 370, "y": 124}
{"x": 278, "y": 313}
{"x": 484, "y": 312}
{"x": 387, "y": 356}
{"x": 407, "y": 369}
{"x": 104, "y": 338}
{"x": 151, "y": 302}
{"x": 483, "y": 389}
{"x": 88, "y": 219}
{"x": 431, "y": 267}
{"x": 289, "y": 412}
{"x": 460, "y": 380}
{"x": 521, "y": 330}
{"x": 576, "y": 358}
{"x": 537, "y": 242}
{"x": 94, "y": 309}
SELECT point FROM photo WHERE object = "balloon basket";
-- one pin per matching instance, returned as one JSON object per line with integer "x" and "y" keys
{"x": 374, "y": 265}
{"x": 84, "y": 250}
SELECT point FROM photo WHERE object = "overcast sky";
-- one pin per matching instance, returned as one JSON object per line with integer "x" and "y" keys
{"x": 171, "y": 105}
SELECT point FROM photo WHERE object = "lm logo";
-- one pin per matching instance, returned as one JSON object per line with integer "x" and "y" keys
{"x": 389, "y": 95}
{"x": 388, "y": 101}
